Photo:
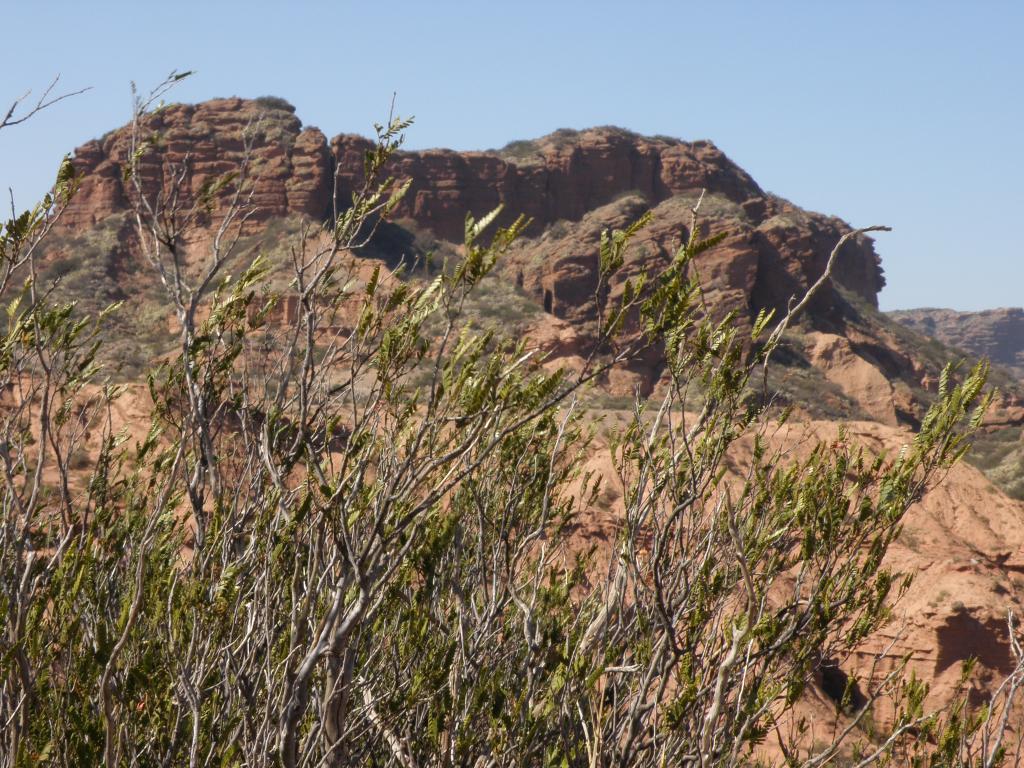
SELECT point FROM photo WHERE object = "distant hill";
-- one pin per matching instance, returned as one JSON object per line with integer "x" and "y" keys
{"x": 997, "y": 334}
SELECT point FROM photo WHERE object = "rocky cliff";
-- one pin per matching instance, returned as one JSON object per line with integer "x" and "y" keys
{"x": 561, "y": 177}
{"x": 290, "y": 166}
{"x": 570, "y": 175}
{"x": 572, "y": 184}
{"x": 845, "y": 359}
{"x": 997, "y": 334}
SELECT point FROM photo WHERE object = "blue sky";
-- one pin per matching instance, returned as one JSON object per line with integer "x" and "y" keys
{"x": 903, "y": 113}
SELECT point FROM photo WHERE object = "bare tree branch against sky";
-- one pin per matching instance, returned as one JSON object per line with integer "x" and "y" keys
{"x": 907, "y": 112}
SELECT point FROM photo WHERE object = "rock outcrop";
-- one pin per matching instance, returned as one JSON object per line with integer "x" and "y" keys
{"x": 564, "y": 177}
{"x": 572, "y": 184}
{"x": 561, "y": 176}
{"x": 290, "y": 166}
{"x": 571, "y": 177}
{"x": 766, "y": 259}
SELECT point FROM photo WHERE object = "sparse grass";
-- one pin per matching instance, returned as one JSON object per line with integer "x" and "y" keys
{"x": 999, "y": 453}
{"x": 497, "y": 301}
{"x": 628, "y": 193}
{"x": 516, "y": 150}
{"x": 992, "y": 448}
{"x": 910, "y": 539}
{"x": 80, "y": 459}
{"x": 606, "y": 401}
{"x": 557, "y": 229}
{"x": 524, "y": 149}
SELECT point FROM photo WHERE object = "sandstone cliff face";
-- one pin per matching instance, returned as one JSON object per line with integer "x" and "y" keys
{"x": 563, "y": 177}
{"x": 997, "y": 334}
{"x": 575, "y": 184}
{"x": 290, "y": 166}
{"x": 572, "y": 176}
{"x": 572, "y": 185}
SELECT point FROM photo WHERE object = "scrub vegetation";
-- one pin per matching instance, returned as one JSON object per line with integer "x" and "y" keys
{"x": 353, "y": 538}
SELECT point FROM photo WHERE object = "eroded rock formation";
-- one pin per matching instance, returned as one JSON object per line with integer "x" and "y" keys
{"x": 564, "y": 177}
{"x": 290, "y": 166}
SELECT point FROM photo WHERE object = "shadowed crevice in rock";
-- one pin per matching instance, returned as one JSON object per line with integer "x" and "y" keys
{"x": 835, "y": 682}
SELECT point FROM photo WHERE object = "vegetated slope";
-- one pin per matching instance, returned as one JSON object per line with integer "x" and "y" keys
{"x": 997, "y": 334}
{"x": 845, "y": 360}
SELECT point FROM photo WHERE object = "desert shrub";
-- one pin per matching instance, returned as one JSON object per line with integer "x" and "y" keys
{"x": 557, "y": 229}
{"x": 627, "y": 193}
{"x": 357, "y": 547}
{"x": 496, "y": 302}
{"x": 274, "y": 102}
{"x": 62, "y": 267}
{"x": 519, "y": 149}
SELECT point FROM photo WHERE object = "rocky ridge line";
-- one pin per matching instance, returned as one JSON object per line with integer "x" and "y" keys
{"x": 561, "y": 177}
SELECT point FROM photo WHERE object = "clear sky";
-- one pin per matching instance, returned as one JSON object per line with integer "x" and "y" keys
{"x": 902, "y": 112}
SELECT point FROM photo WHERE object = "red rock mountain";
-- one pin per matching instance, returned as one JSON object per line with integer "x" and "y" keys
{"x": 292, "y": 165}
{"x": 572, "y": 184}
{"x": 561, "y": 177}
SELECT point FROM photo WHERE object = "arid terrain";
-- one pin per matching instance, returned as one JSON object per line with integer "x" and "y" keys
{"x": 844, "y": 362}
